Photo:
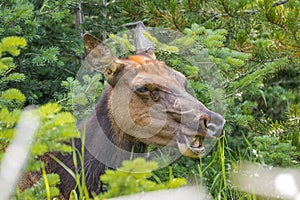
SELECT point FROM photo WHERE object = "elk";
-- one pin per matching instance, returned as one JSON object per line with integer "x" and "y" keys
{"x": 145, "y": 102}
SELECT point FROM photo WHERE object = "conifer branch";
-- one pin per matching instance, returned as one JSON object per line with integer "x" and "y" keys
{"x": 226, "y": 9}
{"x": 251, "y": 12}
{"x": 280, "y": 3}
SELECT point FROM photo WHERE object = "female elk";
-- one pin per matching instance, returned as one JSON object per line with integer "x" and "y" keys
{"x": 145, "y": 102}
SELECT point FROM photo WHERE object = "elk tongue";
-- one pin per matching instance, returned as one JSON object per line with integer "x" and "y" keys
{"x": 196, "y": 142}
{"x": 190, "y": 147}
{"x": 197, "y": 147}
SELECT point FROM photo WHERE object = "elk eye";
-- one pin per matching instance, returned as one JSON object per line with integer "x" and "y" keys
{"x": 142, "y": 89}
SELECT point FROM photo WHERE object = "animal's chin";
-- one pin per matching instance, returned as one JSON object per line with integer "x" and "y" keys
{"x": 191, "y": 146}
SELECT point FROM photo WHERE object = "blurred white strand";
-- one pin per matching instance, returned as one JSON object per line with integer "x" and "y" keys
{"x": 286, "y": 185}
{"x": 188, "y": 192}
{"x": 16, "y": 154}
{"x": 273, "y": 182}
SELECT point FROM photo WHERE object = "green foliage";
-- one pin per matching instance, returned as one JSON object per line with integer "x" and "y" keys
{"x": 55, "y": 129}
{"x": 123, "y": 41}
{"x": 253, "y": 48}
{"x": 54, "y": 45}
{"x": 133, "y": 177}
{"x": 260, "y": 74}
{"x": 271, "y": 151}
{"x": 12, "y": 46}
{"x": 11, "y": 100}
{"x": 278, "y": 145}
{"x": 46, "y": 56}
{"x": 82, "y": 94}
{"x": 161, "y": 46}
{"x": 12, "y": 97}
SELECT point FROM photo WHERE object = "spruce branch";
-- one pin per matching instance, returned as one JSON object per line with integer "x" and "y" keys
{"x": 250, "y": 12}
{"x": 226, "y": 9}
{"x": 280, "y": 3}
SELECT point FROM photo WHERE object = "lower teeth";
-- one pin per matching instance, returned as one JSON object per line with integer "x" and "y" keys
{"x": 198, "y": 150}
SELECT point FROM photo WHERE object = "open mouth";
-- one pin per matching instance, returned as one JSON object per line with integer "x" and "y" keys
{"x": 191, "y": 146}
{"x": 196, "y": 146}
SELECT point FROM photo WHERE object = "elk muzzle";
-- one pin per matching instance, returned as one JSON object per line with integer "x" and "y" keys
{"x": 198, "y": 129}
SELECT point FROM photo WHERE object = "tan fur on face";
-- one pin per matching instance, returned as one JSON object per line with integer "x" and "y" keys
{"x": 149, "y": 101}
{"x": 139, "y": 115}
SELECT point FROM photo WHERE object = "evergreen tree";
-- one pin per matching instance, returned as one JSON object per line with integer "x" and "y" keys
{"x": 54, "y": 44}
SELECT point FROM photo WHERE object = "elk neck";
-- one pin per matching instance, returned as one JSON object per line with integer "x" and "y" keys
{"x": 111, "y": 129}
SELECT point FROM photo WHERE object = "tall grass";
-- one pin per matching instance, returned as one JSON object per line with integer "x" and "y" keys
{"x": 215, "y": 170}
{"x": 80, "y": 192}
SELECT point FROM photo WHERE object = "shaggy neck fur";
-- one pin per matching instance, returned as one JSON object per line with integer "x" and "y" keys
{"x": 96, "y": 144}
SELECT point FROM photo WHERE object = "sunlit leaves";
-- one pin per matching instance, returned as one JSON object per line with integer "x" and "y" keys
{"x": 133, "y": 176}
{"x": 49, "y": 110}
{"x": 235, "y": 62}
{"x": 56, "y": 128}
{"x": 12, "y": 45}
{"x": 17, "y": 77}
{"x": 13, "y": 95}
{"x": 162, "y": 46}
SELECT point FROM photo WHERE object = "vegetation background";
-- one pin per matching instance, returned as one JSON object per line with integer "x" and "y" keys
{"x": 254, "y": 45}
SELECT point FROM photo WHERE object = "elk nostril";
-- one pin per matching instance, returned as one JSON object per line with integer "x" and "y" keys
{"x": 205, "y": 119}
{"x": 203, "y": 122}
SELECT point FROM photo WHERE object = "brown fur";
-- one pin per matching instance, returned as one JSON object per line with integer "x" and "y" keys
{"x": 28, "y": 179}
{"x": 131, "y": 118}
{"x": 93, "y": 167}
{"x": 146, "y": 102}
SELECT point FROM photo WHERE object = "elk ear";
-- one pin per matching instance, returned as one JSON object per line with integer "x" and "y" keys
{"x": 141, "y": 42}
{"x": 97, "y": 54}
{"x": 100, "y": 58}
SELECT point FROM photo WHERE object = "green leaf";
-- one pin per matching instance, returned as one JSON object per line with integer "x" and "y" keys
{"x": 63, "y": 118}
{"x": 13, "y": 95}
{"x": 235, "y": 62}
{"x": 5, "y": 64}
{"x": 39, "y": 149}
{"x": 48, "y": 110}
{"x": 139, "y": 165}
{"x": 176, "y": 182}
{"x": 16, "y": 77}
{"x": 12, "y": 45}
{"x": 49, "y": 55}
{"x": 132, "y": 178}
{"x": 53, "y": 179}
{"x": 3, "y": 67}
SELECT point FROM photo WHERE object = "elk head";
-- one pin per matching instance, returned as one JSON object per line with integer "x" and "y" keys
{"x": 148, "y": 100}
